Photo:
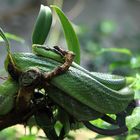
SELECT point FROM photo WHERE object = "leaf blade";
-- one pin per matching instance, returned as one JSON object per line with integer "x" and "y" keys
{"x": 71, "y": 37}
{"x": 133, "y": 120}
{"x": 3, "y": 36}
{"x": 117, "y": 50}
{"x": 42, "y": 25}
{"x": 14, "y": 37}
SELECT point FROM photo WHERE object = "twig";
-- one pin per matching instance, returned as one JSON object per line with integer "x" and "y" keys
{"x": 69, "y": 57}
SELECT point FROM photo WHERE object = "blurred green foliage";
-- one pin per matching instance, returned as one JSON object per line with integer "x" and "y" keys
{"x": 105, "y": 52}
{"x": 13, "y": 134}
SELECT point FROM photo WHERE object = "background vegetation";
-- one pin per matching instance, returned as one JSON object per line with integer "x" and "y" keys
{"x": 108, "y": 32}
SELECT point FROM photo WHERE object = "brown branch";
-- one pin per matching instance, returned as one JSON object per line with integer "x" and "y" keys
{"x": 68, "y": 56}
{"x": 15, "y": 117}
{"x": 23, "y": 108}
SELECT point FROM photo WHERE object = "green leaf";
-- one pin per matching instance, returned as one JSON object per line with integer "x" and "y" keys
{"x": 117, "y": 50}
{"x": 137, "y": 93}
{"x": 134, "y": 119}
{"x": 1, "y": 40}
{"x": 71, "y": 38}
{"x": 8, "y": 134}
{"x": 2, "y": 34}
{"x": 132, "y": 137}
{"x": 14, "y": 37}
{"x": 29, "y": 137}
{"x": 135, "y": 62}
{"x": 42, "y": 25}
{"x": 107, "y": 26}
{"x": 58, "y": 127}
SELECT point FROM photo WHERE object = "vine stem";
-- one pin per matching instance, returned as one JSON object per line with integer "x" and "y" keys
{"x": 107, "y": 132}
